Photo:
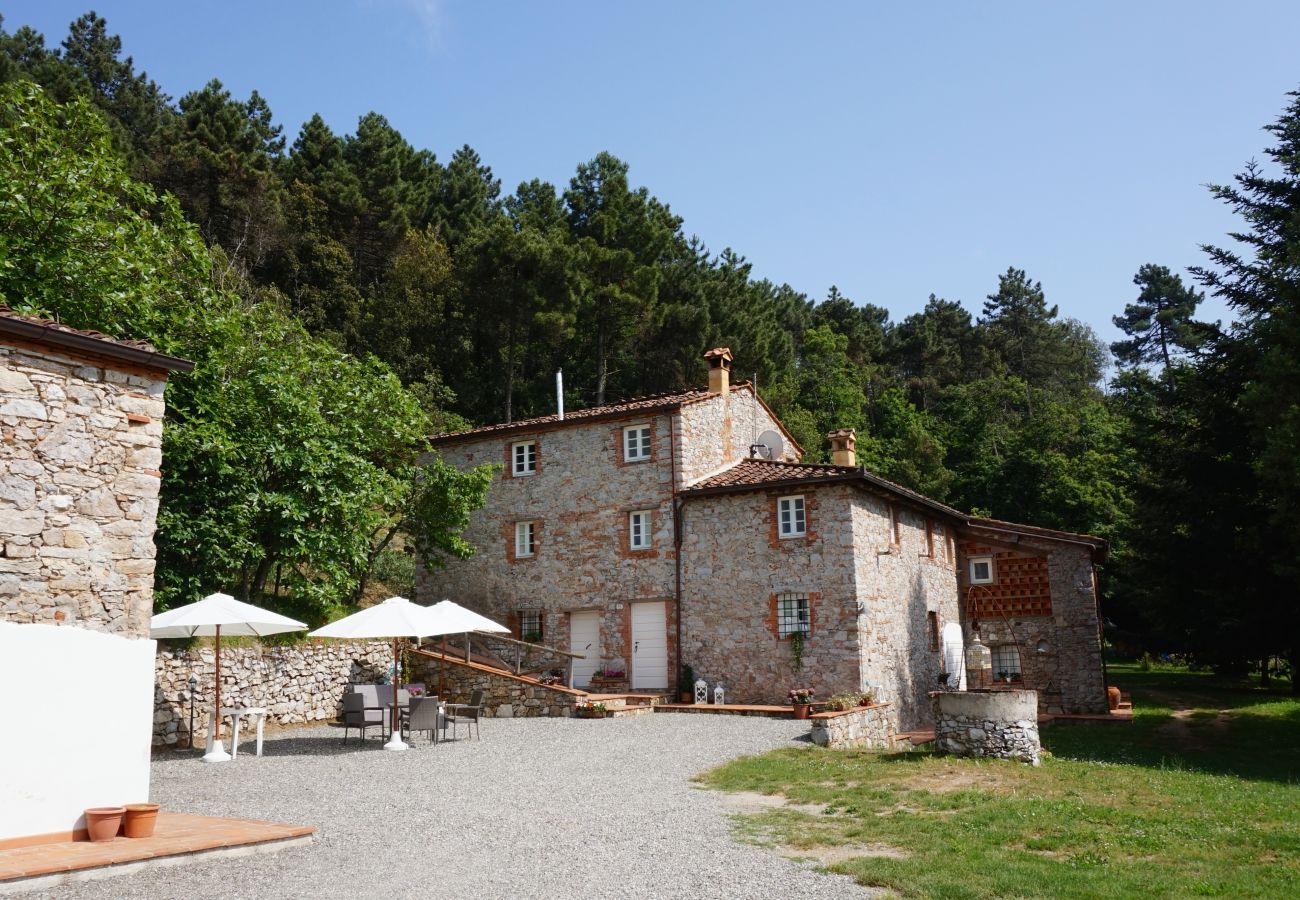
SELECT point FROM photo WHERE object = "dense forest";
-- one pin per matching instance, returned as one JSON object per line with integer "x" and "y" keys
{"x": 365, "y": 292}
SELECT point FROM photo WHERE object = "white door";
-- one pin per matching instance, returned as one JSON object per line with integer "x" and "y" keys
{"x": 954, "y": 656}
{"x": 649, "y": 646}
{"x": 584, "y": 638}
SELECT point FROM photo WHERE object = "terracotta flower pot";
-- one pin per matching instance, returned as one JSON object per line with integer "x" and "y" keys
{"x": 140, "y": 820}
{"x": 102, "y": 822}
{"x": 686, "y": 697}
{"x": 1112, "y": 697}
{"x": 802, "y": 710}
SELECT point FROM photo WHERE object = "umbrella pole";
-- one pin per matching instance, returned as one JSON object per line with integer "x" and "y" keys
{"x": 395, "y": 741}
{"x": 216, "y": 749}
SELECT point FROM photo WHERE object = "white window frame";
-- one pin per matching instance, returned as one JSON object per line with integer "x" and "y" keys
{"x": 636, "y": 443}
{"x": 791, "y": 516}
{"x": 975, "y": 560}
{"x": 525, "y": 539}
{"x": 640, "y": 529}
{"x": 793, "y": 615}
{"x": 523, "y": 458}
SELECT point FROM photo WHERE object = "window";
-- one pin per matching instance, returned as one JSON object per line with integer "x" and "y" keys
{"x": 525, "y": 539}
{"x": 523, "y": 457}
{"x": 938, "y": 541}
{"x": 1006, "y": 662}
{"x": 530, "y": 625}
{"x": 638, "y": 530}
{"x": 896, "y": 526}
{"x": 790, "y": 516}
{"x": 981, "y": 570}
{"x": 929, "y": 538}
{"x": 636, "y": 443}
{"x": 932, "y": 619}
{"x": 792, "y": 616}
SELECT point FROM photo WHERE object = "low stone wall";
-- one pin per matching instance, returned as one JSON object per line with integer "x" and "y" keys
{"x": 504, "y": 697}
{"x": 296, "y": 683}
{"x": 865, "y": 726}
{"x": 1000, "y": 724}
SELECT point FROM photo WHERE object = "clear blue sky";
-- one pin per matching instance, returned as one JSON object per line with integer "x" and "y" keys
{"x": 891, "y": 150}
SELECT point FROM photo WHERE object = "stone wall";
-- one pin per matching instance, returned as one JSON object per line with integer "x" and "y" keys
{"x": 733, "y": 568}
{"x": 999, "y": 724}
{"x": 713, "y": 433}
{"x": 504, "y": 697}
{"x": 79, "y": 481}
{"x": 866, "y": 726}
{"x": 904, "y": 573}
{"x": 295, "y": 682}
{"x": 580, "y": 497}
{"x": 1060, "y": 653}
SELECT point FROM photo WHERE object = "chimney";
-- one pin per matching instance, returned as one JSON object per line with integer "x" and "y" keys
{"x": 719, "y": 360}
{"x": 844, "y": 447}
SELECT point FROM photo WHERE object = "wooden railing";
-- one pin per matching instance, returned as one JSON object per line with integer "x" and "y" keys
{"x": 520, "y": 656}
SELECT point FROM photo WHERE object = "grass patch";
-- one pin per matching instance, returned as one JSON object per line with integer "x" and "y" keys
{"x": 1199, "y": 796}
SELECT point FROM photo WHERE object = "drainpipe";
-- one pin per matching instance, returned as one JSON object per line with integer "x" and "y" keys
{"x": 678, "y": 515}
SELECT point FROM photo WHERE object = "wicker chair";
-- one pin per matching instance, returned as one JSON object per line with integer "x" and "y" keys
{"x": 424, "y": 715}
{"x": 469, "y": 713}
{"x": 357, "y": 715}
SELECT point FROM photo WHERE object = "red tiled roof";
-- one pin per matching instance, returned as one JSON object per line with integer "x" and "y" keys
{"x": 56, "y": 333}
{"x": 759, "y": 472}
{"x": 651, "y": 404}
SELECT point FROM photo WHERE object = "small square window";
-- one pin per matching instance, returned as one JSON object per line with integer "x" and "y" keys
{"x": 530, "y": 625}
{"x": 639, "y": 535}
{"x": 1006, "y": 662}
{"x": 792, "y": 615}
{"x": 525, "y": 539}
{"x": 636, "y": 443}
{"x": 981, "y": 570}
{"x": 523, "y": 457}
{"x": 790, "y": 516}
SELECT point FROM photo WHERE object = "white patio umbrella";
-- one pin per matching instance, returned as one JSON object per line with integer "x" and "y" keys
{"x": 395, "y": 618}
{"x": 211, "y": 617}
{"x": 452, "y": 618}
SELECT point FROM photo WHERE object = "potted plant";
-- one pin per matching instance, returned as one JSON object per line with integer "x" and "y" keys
{"x": 801, "y": 699}
{"x": 585, "y": 709}
{"x": 140, "y": 820}
{"x": 686, "y": 685}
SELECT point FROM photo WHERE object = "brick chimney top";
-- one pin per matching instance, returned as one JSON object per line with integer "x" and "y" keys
{"x": 844, "y": 446}
{"x": 719, "y": 360}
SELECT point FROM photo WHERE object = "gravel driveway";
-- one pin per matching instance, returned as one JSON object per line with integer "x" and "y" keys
{"x": 551, "y": 808}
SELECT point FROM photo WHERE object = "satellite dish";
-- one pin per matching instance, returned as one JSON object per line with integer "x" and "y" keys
{"x": 772, "y": 441}
{"x": 954, "y": 656}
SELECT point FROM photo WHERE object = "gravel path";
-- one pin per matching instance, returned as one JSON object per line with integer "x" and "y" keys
{"x": 548, "y": 808}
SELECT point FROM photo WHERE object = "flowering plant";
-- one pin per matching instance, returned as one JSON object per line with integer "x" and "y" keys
{"x": 417, "y": 692}
{"x": 802, "y": 695}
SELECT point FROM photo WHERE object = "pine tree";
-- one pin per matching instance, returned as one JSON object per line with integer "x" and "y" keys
{"x": 1159, "y": 322}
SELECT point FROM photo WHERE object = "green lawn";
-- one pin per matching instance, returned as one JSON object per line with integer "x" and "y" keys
{"x": 1199, "y": 796}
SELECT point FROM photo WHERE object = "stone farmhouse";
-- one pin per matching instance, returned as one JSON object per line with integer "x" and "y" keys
{"x": 80, "y": 458}
{"x": 683, "y": 529}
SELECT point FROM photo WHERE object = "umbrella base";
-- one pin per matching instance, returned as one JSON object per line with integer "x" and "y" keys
{"x": 396, "y": 743}
{"x": 216, "y": 753}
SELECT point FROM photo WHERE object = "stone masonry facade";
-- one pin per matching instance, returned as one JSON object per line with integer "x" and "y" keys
{"x": 875, "y": 571}
{"x": 579, "y": 499}
{"x": 80, "y": 470}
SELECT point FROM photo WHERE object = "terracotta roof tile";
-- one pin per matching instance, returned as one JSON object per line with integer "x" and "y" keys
{"x": 758, "y": 472}
{"x": 59, "y": 326}
{"x": 654, "y": 403}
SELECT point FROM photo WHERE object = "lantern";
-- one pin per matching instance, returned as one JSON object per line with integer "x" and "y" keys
{"x": 701, "y": 691}
{"x": 979, "y": 664}
{"x": 719, "y": 697}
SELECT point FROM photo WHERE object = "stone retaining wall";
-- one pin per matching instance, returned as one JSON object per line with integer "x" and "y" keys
{"x": 504, "y": 697}
{"x": 1000, "y": 724}
{"x": 865, "y": 726}
{"x": 296, "y": 683}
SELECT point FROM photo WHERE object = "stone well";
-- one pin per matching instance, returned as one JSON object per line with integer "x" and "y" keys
{"x": 1000, "y": 724}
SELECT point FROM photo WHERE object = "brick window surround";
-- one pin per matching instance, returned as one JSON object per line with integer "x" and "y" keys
{"x": 511, "y": 535}
{"x": 638, "y": 443}
{"x": 791, "y": 542}
{"x": 773, "y": 619}
{"x": 792, "y": 519}
{"x": 1006, "y": 658}
{"x": 518, "y": 454}
{"x": 530, "y": 624}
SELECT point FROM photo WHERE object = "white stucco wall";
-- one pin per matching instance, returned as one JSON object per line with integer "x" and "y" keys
{"x": 78, "y": 708}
